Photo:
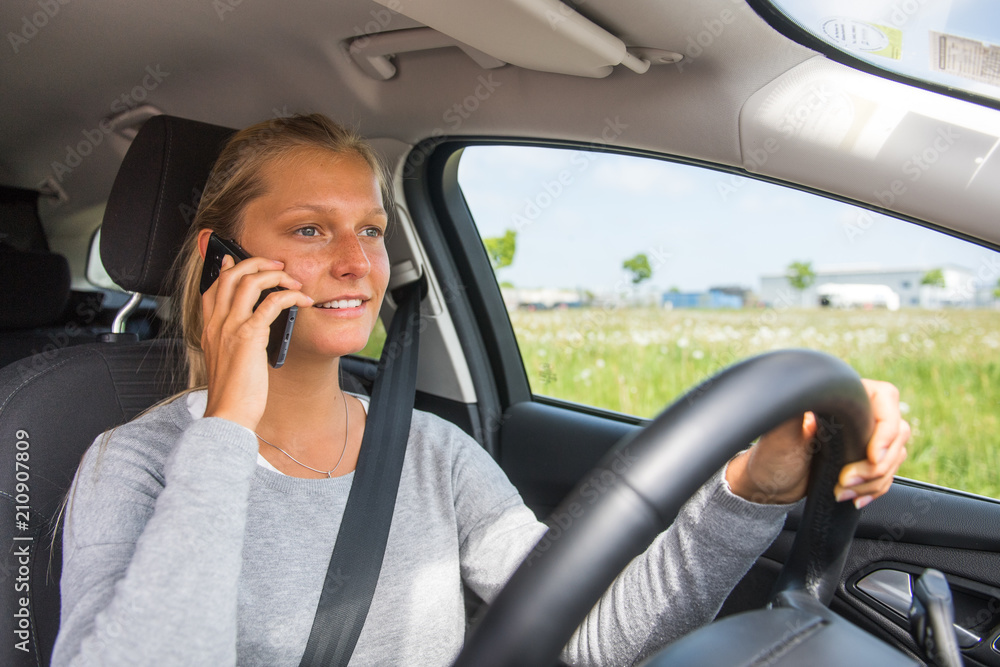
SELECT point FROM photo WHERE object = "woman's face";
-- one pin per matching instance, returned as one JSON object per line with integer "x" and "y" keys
{"x": 322, "y": 215}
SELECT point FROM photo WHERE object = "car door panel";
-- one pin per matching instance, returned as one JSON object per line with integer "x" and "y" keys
{"x": 547, "y": 445}
{"x": 545, "y": 448}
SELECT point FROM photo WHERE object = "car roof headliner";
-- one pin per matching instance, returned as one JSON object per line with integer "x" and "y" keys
{"x": 234, "y": 64}
{"x": 236, "y": 69}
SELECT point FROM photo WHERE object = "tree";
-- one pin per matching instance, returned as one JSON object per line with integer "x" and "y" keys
{"x": 639, "y": 267}
{"x": 934, "y": 278}
{"x": 996, "y": 290}
{"x": 800, "y": 275}
{"x": 501, "y": 249}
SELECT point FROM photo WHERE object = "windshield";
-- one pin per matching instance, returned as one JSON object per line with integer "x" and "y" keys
{"x": 954, "y": 43}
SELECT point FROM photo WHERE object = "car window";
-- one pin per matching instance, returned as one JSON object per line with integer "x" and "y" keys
{"x": 373, "y": 349}
{"x": 629, "y": 280}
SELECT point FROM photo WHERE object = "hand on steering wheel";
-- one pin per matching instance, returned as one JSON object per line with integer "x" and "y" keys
{"x": 548, "y": 596}
{"x": 776, "y": 469}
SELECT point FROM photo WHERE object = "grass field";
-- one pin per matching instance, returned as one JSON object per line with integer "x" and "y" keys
{"x": 946, "y": 364}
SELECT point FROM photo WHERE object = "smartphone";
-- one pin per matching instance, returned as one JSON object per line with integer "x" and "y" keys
{"x": 281, "y": 328}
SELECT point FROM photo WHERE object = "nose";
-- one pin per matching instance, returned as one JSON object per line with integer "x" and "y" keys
{"x": 349, "y": 258}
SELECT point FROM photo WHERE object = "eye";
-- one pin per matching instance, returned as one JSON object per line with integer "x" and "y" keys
{"x": 373, "y": 232}
{"x": 307, "y": 231}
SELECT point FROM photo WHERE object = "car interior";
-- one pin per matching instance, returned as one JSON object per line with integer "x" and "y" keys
{"x": 115, "y": 114}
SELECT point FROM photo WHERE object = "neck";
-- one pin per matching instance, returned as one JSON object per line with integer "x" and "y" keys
{"x": 305, "y": 411}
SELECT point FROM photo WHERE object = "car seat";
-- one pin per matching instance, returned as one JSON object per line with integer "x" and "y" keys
{"x": 36, "y": 290}
{"x": 39, "y": 313}
{"x": 54, "y": 405}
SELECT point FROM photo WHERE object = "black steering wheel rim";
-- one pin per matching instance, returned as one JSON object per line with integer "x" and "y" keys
{"x": 561, "y": 579}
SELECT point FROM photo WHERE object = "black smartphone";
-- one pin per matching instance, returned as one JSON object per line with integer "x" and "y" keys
{"x": 281, "y": 328}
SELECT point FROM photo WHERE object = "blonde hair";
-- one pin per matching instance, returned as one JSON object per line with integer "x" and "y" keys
{"x": 234, "y": 182}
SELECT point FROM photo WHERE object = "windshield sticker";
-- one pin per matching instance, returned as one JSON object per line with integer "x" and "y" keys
{"x": 871, "y": 38}
{"x": 968, "y": 58}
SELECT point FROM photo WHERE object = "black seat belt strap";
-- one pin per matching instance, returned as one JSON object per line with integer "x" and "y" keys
{"x": 357, "y": 555}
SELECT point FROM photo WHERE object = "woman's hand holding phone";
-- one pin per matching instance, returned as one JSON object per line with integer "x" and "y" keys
{"x": 235, "y": 336}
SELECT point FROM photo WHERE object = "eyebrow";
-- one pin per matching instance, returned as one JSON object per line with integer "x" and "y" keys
{"x": 319, "y": 208}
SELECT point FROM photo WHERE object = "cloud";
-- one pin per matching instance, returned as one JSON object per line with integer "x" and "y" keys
{"x": 641, "y": 176}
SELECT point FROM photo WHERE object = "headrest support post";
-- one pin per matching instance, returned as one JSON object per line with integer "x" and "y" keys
{"x": 121, "y": 318}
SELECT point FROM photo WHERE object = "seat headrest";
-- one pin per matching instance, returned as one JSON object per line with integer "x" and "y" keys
{"x": 20, "y": 225}
{"x": 36, "y": 287}
{"x": 154, "y": 199}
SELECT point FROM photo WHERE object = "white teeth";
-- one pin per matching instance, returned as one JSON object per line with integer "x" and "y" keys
{"x": 343, "y": 303}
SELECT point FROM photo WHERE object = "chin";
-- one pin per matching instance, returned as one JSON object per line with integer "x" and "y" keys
{"x": 337, "y": 347}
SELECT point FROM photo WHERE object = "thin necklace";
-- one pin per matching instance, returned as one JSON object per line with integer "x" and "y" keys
{"x": 347, "y": 432}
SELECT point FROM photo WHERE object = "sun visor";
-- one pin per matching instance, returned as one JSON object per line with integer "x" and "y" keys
{"x": 901, "y": 148}
{"x": 552, "y": 37}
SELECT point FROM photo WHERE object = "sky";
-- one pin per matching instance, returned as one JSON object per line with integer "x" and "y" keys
{"x": 579, "y": 216}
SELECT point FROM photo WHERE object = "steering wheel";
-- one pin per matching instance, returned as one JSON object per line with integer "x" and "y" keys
{"x": 645, "y": 480}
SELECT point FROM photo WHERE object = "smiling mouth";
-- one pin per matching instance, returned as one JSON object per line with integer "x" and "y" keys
{"x": 343, "y": 303}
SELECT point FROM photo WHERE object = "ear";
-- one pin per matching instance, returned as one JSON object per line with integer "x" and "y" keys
{"x": 203, "y": 237}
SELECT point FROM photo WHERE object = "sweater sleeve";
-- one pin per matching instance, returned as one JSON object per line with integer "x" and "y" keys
{"x": 677, "y": 585}
{"x": 151, "y": 559}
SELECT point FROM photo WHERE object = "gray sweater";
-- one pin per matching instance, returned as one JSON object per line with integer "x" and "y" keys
{"x": 179, "y": 549}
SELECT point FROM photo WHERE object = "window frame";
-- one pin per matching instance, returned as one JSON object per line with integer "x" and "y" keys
{"x": 449, "y": 233}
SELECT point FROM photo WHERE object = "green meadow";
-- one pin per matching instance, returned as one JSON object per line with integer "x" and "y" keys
{"x": 946, "y": 364}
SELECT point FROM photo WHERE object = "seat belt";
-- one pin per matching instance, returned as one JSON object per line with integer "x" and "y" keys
{"x": 357, "y": 555}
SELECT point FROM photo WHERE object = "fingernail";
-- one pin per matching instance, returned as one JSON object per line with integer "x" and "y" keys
{"x": 846, "y": 494}
{"x": 853, "y": 480}
{"x": 881, "y": 454}
{"x": 861, "y": 502}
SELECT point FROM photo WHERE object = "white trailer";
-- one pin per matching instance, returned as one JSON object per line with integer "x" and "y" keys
{"x": 839, "y": 295}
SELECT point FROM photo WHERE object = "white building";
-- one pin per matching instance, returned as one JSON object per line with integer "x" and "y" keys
{"x": 540, "y": 298}
{"x": 961, "y": 288}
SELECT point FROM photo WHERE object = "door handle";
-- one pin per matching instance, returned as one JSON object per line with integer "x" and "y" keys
{"x": 894, "y": 589}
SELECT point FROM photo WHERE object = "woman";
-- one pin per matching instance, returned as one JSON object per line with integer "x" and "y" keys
{"x": 200, "y": 533}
